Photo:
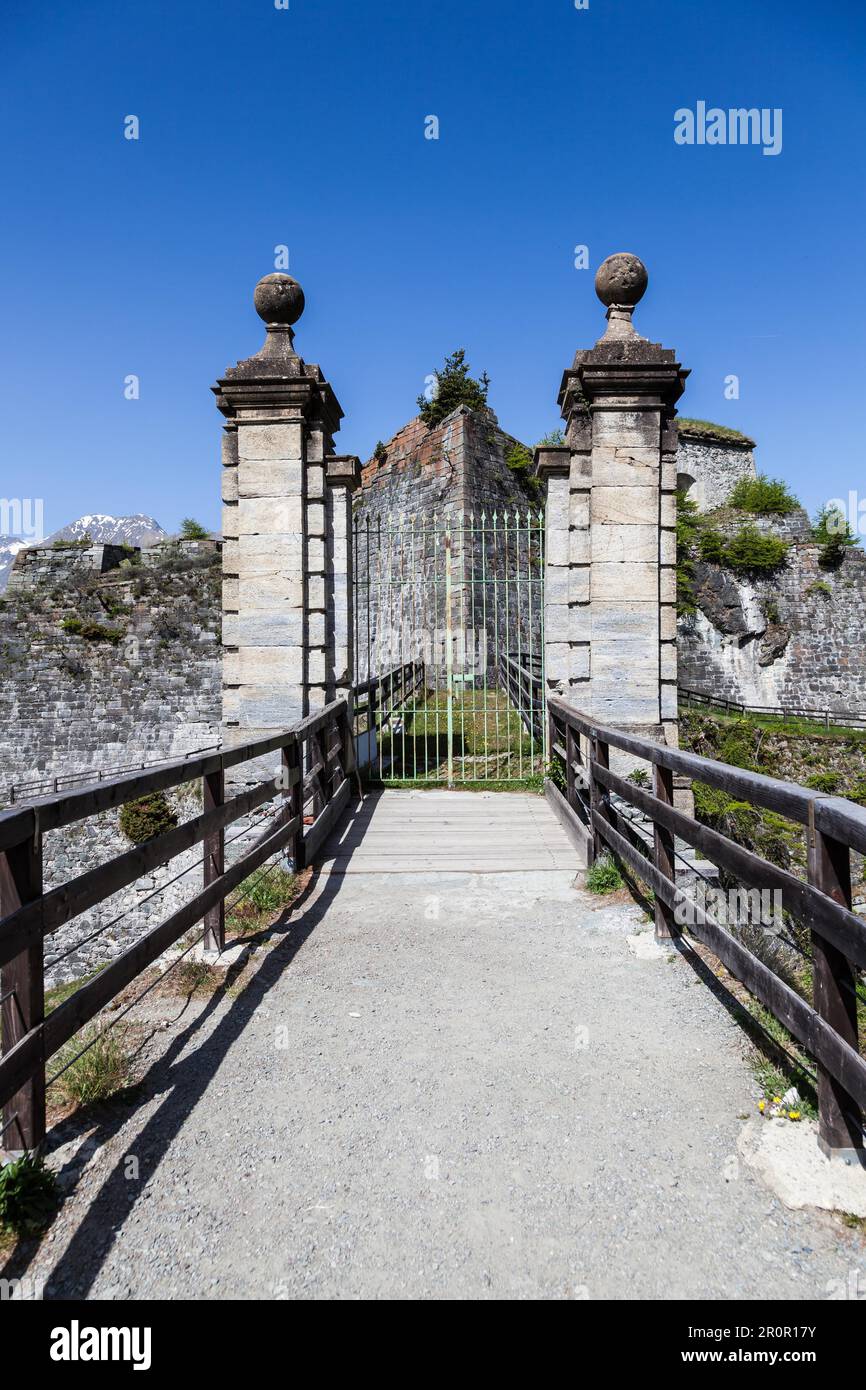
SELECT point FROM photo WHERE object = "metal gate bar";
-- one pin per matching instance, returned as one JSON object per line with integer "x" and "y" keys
{"x": 448, "y": 610}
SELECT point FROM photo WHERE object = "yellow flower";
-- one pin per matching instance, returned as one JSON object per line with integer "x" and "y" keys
{"x": 777, "y": 1100}
{"x": 761, "y": 1105}
{"x": 793, "y": 1114}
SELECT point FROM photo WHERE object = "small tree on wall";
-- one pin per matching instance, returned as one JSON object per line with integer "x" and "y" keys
{"x": 454, "y": 386}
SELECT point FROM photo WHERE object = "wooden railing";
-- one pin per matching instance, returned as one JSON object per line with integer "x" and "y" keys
{"x": 316, "y": 760}
{"x": 377, "y": 699}
{"x": 520, "y": 677}
{"x": 827, "y": 1027}
{"x": 847, "y": 719}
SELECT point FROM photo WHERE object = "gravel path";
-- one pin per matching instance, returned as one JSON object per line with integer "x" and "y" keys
{"x": 440, "y": 1086}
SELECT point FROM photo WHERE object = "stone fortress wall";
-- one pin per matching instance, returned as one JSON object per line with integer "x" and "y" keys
{"x": 791, "y": 639}
{"x": 457, "y": 469}
{"x": 143, "y": 686}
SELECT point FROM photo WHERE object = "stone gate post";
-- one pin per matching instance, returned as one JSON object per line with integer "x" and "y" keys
{"x": 286, "y": 538}
{"x": 610, "y": 593}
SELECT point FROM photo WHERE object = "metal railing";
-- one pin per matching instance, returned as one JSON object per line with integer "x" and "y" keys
{"x": 15, "y": 792}
{"x": 316, "y": 759}
{"x": 822, "y": 904}
{"x": 828, "y": 717}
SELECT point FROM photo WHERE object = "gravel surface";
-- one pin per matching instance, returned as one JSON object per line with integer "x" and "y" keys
{"x": 443, "y": 1086}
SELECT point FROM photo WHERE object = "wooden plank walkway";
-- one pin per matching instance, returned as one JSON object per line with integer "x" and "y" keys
{"x": 397, "y": 831}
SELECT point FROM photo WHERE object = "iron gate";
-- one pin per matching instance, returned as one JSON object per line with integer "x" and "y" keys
{"x": 449, "y": 640}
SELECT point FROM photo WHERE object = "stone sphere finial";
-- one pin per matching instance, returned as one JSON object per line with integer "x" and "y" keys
{"x": 621, "y": 280}
{"x": 279, "y": 299}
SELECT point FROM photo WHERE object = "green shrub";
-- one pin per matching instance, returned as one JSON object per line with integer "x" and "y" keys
{"x": 90, "y": 631}
{"x": 763, "y": 496}
{"x": 147, "y": 817}
{"x": 711, "y": 546}
{"x": 28, "y": 1196}
{"x": 192, "y": 530}
{"x": 554, "y": 439}
{"x": 455, "y": 387}
{"x": 831, "y": 531}
{"x": 751, "y": 552}
{"x": 820, "y": 587}
{"x": 639, "y": 776}
{"x": 604, "y": 876}
{"x": 688, "y": 529}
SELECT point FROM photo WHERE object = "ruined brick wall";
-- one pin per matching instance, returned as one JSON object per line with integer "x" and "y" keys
{"x": 456, "y": 471}
{"x": 144, "y": 684}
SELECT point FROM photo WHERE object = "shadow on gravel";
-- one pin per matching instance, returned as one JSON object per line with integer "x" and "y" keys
{"x": 764, "y": 1041}
{"x": 183, "y": 1082}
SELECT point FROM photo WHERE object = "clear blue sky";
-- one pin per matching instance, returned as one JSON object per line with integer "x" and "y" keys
{"x": 306, "y": 127}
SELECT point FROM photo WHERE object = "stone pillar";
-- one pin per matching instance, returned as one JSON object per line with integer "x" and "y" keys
{"x": 610, "y": 598}
{"x": 278, "y": 583}
{"x": 342, "y": 477}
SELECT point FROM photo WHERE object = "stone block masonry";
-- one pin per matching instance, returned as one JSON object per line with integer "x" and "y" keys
{"x": 610, "y": 595}
{"x": 287, "y": 628}
{"x": 73, "y": 704}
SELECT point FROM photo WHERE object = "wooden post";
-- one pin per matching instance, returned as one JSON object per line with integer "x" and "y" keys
{"x": 213, "y": 795}
{"x": 840, "y": 1122}
{"x": 663, "y": 843}
{"x": 600, "y": 753}
{"x": 570, "y": 759}
{"x": 293, "y": 788}
{"x": 23, "y": 993}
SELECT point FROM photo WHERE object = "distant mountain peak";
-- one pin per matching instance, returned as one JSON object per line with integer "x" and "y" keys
{"x": 138, "y": 529}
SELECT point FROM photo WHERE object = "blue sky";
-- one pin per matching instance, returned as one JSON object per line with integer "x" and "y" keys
{"x": 305, "y": 127}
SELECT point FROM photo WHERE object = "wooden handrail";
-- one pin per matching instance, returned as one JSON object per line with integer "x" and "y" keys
{"x": 827, "y": 1027}
{"x": 28, "y": 914}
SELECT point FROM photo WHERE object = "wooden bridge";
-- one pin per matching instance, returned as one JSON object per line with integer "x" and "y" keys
{"x": 415, "y": 832}
{"x": 457, "y": 910}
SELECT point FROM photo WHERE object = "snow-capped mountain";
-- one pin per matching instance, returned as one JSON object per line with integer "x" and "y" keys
{"x": 9, "y": 547}
{"x": 105, "y": 530}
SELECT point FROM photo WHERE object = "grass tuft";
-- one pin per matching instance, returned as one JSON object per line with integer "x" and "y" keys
{"x": 604, "y": 876}
{"x": 100, "y": 1072}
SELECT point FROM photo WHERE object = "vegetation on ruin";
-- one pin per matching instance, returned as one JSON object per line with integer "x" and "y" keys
{"x": 819, "y": 587}
{"x": 831, "y": 531}
{"x": 455, "y": 386}
{"x": 519, "y": 460}
{"x": 688, "y": 532}
{"x": 90, "y": 631}
{"x": 554, "y": 439}
{"x": 763, "y": 496}
{"x": 147, "y": 817}
{"x": 706, "y": 429}
{"x": 83, "y": 544}
{"x": 750, "y": 551}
